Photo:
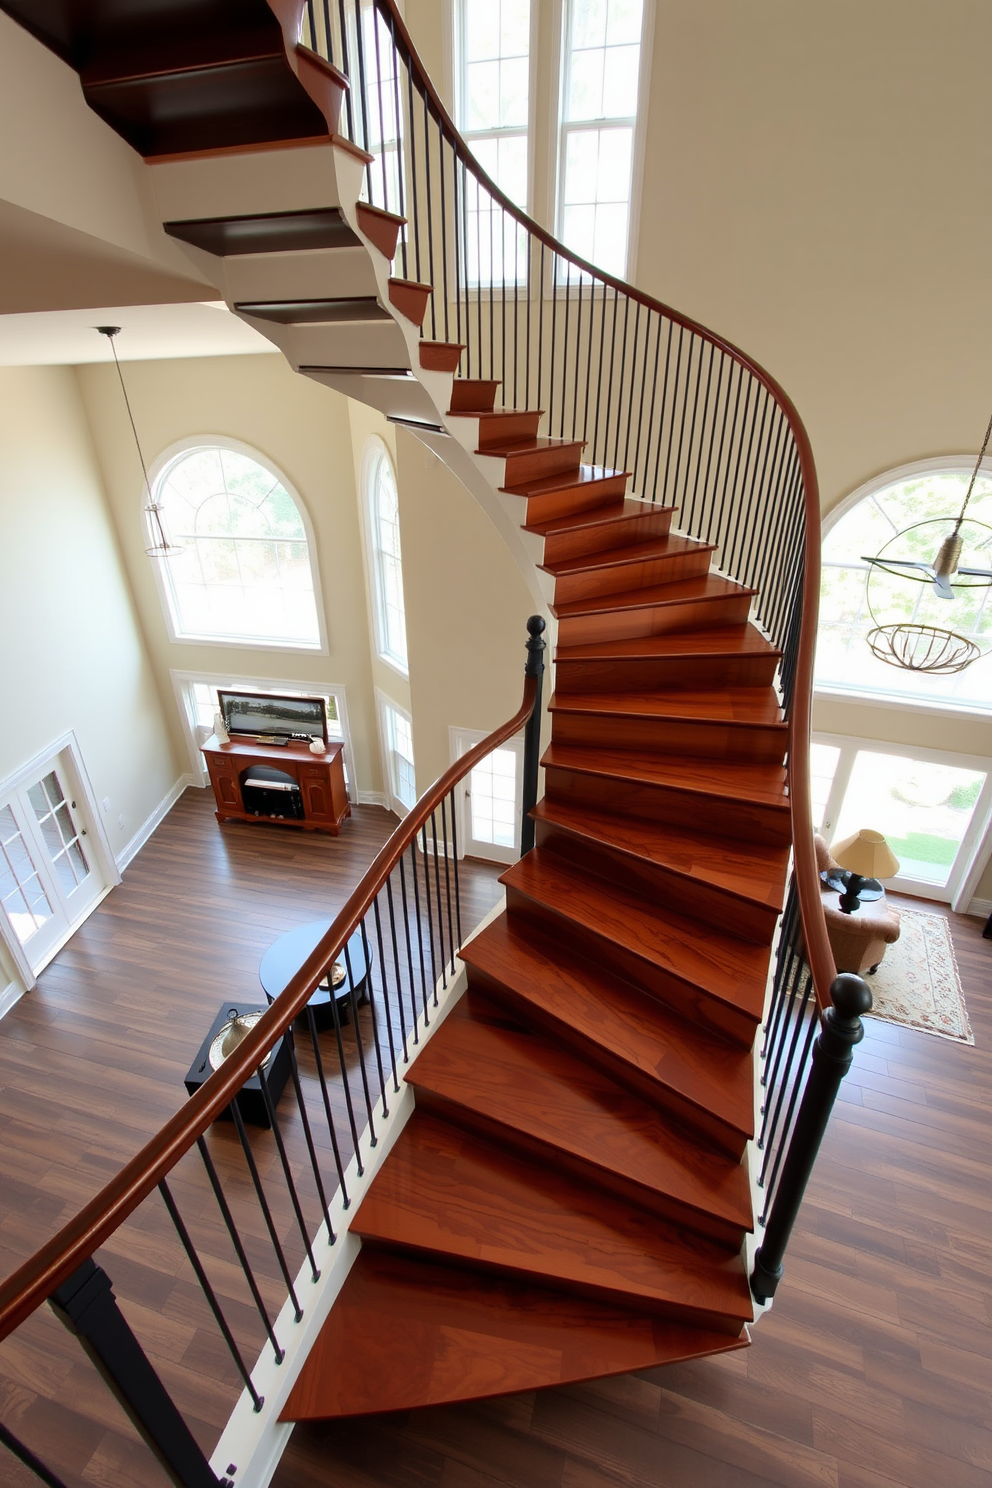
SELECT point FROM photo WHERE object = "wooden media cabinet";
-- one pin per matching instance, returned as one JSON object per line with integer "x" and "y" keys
{"x": 320, "y": 778}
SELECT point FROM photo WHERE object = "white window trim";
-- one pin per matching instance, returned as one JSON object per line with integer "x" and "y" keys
{"x": 453, "y": 31}
{"x": 243, "y": 643}
{"x": 461, "y": 741}
{"x": 374, "y": 448}
{"x": 182, "y": 686}
{"x": 555, "y": 153}
{"x": 382, "y": 702}
{"x": 977, "y": 841}
{"x": 949, "y": 464}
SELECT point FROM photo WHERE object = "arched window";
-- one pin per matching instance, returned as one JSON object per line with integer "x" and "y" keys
{"x": 387, "y": 560}
{"x": 244, "y": 574}
{"x": 925, "y": 498}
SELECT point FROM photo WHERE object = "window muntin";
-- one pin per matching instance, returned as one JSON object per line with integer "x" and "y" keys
{"x": 244, "y": 573}
{"x": 602, "y": 44}
{"x": 387, "y": 562}
{"x": 493, "y": 92}
{"x": 843, "y": 660}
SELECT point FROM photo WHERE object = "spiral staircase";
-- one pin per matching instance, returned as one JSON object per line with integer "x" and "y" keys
{"x": 571, "y": 1195}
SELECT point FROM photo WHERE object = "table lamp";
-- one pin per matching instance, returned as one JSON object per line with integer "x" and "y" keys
{"x": 865, "y": 854}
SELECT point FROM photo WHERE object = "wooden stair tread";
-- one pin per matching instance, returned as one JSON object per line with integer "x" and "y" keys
{"x": 756, "y": 874}
{"x": 456, "y": 1196}
{"x": 682, "y": 591}
{"x": 531, "y": 445}
{"x": 624, "y": 1022}
{"x": 744, "y": 707}
{"x": 629, "y": 509}
{"x": 740, "y": 780}
{"x": 546, "y": 485}
{"x": 728, "y": 640}
{"x": 405, "y": 1333}
{"x": 725, "y": 967}
{"x": 516, "y": 1079}
{"x": 657, "y": 547}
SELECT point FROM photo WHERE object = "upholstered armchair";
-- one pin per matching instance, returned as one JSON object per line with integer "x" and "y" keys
{"x": 857, "y": 940}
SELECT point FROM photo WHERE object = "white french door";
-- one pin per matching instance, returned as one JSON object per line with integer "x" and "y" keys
{"x": 49, "y": 877}
{"x": 490, "y": 799}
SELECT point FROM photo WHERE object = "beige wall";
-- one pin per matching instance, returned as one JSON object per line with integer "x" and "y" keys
{"x": 304, "y": 430}
{"x": 466, "y": 609}
{"x": 73, "y": 656}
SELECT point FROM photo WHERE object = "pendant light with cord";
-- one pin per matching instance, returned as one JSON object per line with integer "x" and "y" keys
{"x": 162, "y": 548}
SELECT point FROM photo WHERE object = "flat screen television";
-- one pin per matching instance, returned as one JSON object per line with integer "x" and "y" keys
{"x": 267, "y": 715}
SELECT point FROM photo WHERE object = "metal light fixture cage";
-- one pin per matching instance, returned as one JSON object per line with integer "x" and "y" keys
{"x": 161, "y": 546}
{"x": 910, "y": 644}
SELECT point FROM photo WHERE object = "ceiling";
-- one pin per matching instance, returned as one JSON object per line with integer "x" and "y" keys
{"x": 148, "y": 333}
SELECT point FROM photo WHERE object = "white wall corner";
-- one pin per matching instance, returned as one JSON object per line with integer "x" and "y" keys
{"x": 373, "y": 798}
{"x": 148, "y": 826}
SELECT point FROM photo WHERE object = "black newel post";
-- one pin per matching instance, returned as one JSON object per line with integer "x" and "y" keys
{"x": 534, "y": 667}
{"x": 88, "y": 1307}
{"x": 840, "y": 1029}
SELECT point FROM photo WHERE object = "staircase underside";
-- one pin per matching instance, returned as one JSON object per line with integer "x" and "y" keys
{"x": 570, "y": 1197}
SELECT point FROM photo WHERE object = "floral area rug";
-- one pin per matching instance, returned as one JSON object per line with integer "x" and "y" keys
{"x": 918, "y": 983}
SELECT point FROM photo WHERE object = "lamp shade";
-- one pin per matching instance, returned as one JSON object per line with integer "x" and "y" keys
{"x": 866, "y": 853}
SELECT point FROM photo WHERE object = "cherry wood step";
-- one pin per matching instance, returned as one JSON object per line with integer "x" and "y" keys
{"x": 613, "y": 526}
{"x": 714, "y": 979}
{"x": 456, "y": 1198}
{"x": 734, "y": 798}
{"x": 267, "y": 232}
{"x": 715, "y": 879}
{"x": 472, "y": 395}
{"x": 410, "y": 298}
{"x": 382, "y": 228}
{"x": 488, "y": 1074}
{"x": 700, "y": 1080}
{"x": 642, "y": 565}
{"x": 576, "y": 489}
{"x": 530, "y": 459}
{"x": 315, "y": 312}
{"x": 686, "y": 604}
{"x": 440, "y": 356}
{"x": 501, "y": 426}
{"x": 405, "y": 1333}
{"x": 735, "y": 723}
{"x": 725, "y": 656}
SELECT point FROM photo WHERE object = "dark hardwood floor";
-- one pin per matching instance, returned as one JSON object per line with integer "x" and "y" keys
{"x": 873, "y": 1369}
{"x": 92, "y": 1063}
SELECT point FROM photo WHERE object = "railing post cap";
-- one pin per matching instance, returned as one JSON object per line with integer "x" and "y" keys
{"x": 850, "y": 995}
{"x": 537, "y": 625}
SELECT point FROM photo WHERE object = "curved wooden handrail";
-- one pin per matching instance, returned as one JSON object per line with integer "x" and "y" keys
{"x": 34, "y": 1282}
{"x": 818, "y": 950}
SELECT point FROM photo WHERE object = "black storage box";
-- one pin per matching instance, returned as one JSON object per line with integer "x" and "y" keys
{"x": 269, "y": 792}
{"x": 251, "y": 1101}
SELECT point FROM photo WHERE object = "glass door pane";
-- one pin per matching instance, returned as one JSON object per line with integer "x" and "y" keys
{"x": 25, "y": 900}
{"x": 493, "y": 799}
{"x": 923, "y": 809}
{"x": 54, "y": 818}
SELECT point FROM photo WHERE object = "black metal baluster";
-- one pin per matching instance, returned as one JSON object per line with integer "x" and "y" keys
{"x": 363, "y": 86}
{"x": 454, "y": 867}
{"x": 779, "y": 1087}
{"x": 374, "y": 14}
{"x": 353, "y": 1000}
{"x": 400, "y": 164}
{"x": 294, "y": 1071}
{"x": 444, "y": 229}
{"x": 609, "y": 377}
{"x": 592, "y": 318}
{"x": 564, "y": 354}
{"x": 440, "y": 913}
{"x": 554, "y": 344}
{"x": 428, "y": 198}
{"x": 516, "y": 306}
{"x": 257, "y": 1400}
{"x": 478, "y": 265}
{"x": 457, "y": 213}
{"x": 346, "y": 70}
{"x": 328, "y": 40}
{"x": 294, "y": 1197}
{"x": 651, "y": 320}
{"x": 420, "y": 927}
{"x": 345, "y": 1082}
{"x": 492, "y": 276}
{"x": 661, "y": 411}
{"x": 409, "y": 951}
{"x": 676, "y": 393}
{"x": 540, "y": 328}
{"x": 633, "y": 384}
{"x": 781, "y": 1147}
{"x": 721, "y": 512}
{"x": 447, "y": 882}
{"x": 621, "y": 379}
{"x": 396, "y": 968}
{"x": 263, "y": 1204}
{"x": 370, "y": 987}
{"x": 385, "y": 993}
{"x": 332, "y": 1132}
{"x": 530, "y": 286}
{"x": 430, "y": 916}
{"x": 239, "y": 1248}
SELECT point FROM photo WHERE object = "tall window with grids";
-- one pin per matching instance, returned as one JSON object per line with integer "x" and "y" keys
{"x": 602, "y": 53}
{"x": 398, "y": 738}
{"x": 387, "y": 559}
{"x": 493, "y": 102}
{"x": 244, "y": 573}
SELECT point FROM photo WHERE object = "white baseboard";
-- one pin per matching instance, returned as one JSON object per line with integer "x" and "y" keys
{"x": 147, "y": 827}
{"x": 9, "y": 995}
{"x": 373, "y": 798}
{"x": 980, "y": 907}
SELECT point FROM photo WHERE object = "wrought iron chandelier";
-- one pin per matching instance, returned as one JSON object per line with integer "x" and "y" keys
{"x": 161, "y": 546}
{"x": 931, "y": 648}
